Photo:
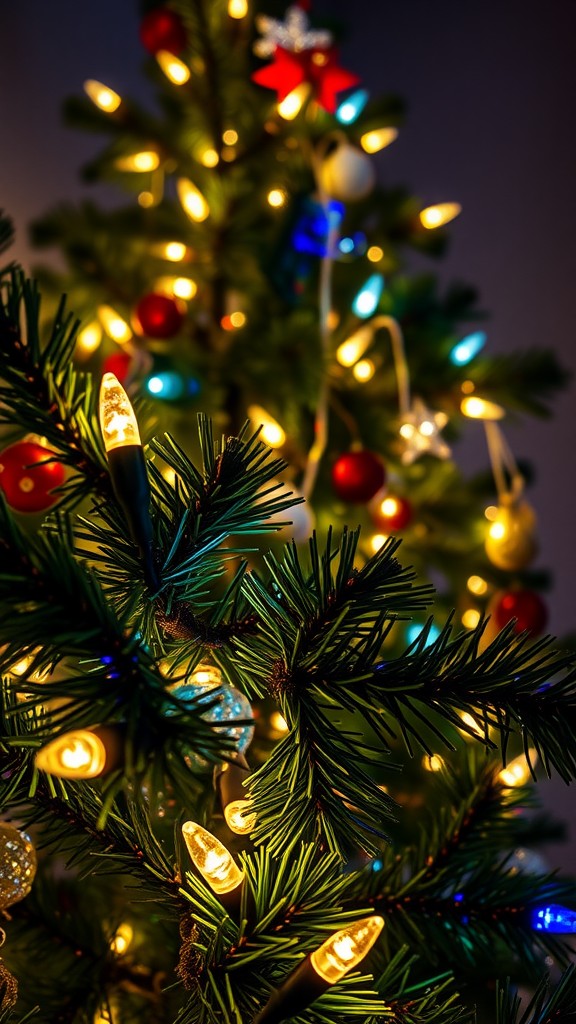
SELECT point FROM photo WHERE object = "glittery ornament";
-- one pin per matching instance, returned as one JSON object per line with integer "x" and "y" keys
{"x": 17, "y": 865}
{"x": 357, "y": 476}
{"x": 526, "y": 606}
{"x": 159, "y": 315}
{"x": 229, "y": 705}
{"x": 420, "y": 432}
{"x": 511, "y": 542}
{"x": 8, "y": 988}
{"x": 293, "y": 34}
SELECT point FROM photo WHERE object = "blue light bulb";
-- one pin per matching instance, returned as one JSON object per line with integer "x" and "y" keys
{"x": 555, "y": 919}
{"x": 465, "y": 350}
{"x": 368, "y": 297}
{"x": 352, "y": 106}
{"x": 413, "y": 632}
{"x": 166, "y": 385}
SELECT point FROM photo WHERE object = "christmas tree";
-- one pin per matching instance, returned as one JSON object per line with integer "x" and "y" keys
{"x": 202, "y": 727}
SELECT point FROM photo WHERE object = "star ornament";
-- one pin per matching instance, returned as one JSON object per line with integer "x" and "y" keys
{"x": 420, "y": 432}
{"x": 293, "y": 34}
{"x": 318, "y": 67}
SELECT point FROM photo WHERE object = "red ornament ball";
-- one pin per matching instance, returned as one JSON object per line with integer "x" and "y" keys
{"x": 162, "y": 29}
{"x": 160, "y": 316}
{"x": 358, "y": 476}
{"x": 119, "y": 364}
{"x": 28, "y": 488}
{"x": 392, "y": 513}
{"x": 526, "y": 606}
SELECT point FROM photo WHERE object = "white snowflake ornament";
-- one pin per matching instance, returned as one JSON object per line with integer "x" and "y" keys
{"x": 420, "y": 432}
{"x": 293, "y": 34}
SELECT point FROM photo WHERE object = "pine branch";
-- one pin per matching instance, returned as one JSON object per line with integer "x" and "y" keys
{"x": 559, "y": 1007}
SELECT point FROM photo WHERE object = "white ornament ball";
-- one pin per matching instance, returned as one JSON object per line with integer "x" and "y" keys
{"x": 347, "y": 173}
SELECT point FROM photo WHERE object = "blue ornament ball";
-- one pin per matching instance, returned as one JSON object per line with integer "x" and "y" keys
{"x": 230, "y": 706}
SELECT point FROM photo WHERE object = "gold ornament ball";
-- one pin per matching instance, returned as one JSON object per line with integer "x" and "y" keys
{"x": 347, "y": 173}
{"x": 17, "y": 865}
{"x": 511, "y": 542}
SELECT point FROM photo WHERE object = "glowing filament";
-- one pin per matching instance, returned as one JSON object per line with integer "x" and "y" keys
{"x": 373, "y": 142}
{"x": 114, "y": 325}
{"x": 375, "y": 254}
{"x": 237, "y": 8}
{"x": 175, "y": 70}
{"x": 278, "y": 724}
{"x": 364, "y": 370}
{"x": 351, "y": 350}
{"x": 440, "y": 214}
{"x": 377, "y": 540}
{"x": 518, "y": 773}
{"x": 209, "y": 158}
{"x": 206, "y": 675}
{"x": 76, "y": 755}
{"x": 433, "y": 763}
{"x": 193, "y": 202}
{"x": 146, "y": 160}
{"x": 477, "y": 585}
{"x": 89, "y": 338}
{"x": 471, "y": 722}
{"x": 122, "y": 938}
{"x": 239, "y": 817}
{"x": 479, "y": 409}
{"x": 276, "y": 197}
{"x": 292, "y": 104}
{"x": 272, "y": 433}
{"x": 346, "y": 948}
{"x": 118, "y": 422}
{"x": 214, "y": 862}
{"x": 175, "y": 252}
{"x": 103, "y": 97}
{"x": 230, "y": 137}
{"x": 181, "y": 287}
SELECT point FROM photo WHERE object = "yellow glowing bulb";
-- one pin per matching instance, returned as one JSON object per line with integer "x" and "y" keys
{"x": 272, "y": 433}
{"x": 389, "y": 507}
{"x": 209, "y": 158}
{"x": 181, "y": 287}
{"x": 118, "y": 422}
{"x": 89, "y": 339}
{"x": 472, "y": 723}
{"x": 407, "y": 430}
{"x": 146, "y": 199}
{"x": 276, "y": 197}
{"x": 146, "y": 160}
{"x": 346, "y": 948}
{"x": 175, "y": 252}
{"x": 292, "y": 104}
{"x": 477, "y": 585}
{"x": 193, "y": 202}
{"x": 22, "y": 666}
{"x": 214, "y": 862}
{"x": 76, "y": 755}
{"x": 374, "y": 141}
{"x": 364, "y": 370}
{"x": 239, "y": 817}
{"x": 237, "y": 319}
{"x": 441, "y": 213}
{"x": 375, "y": 254}
{"x": 103, "y": 97}
{"x": 433, "y": 763}
{"x": 122, "y": 938}
{"x": 278, "y": 723}
{"x": 114, "y": 325}
{"x": 377, "y": 540}
{"x": 517, "y": 773}
{"x": 471, "y": 618}
{"x": 497, "y": 531}
{"x": 237, "y": 8}
{"x": 175, "y": 70}
{"x": 491, "y": 512}
{"x": 351, "y": 350}
{"x": 206, "y": 675}
{"x": 479, "y": 409}
{"x": 230, "y": 137}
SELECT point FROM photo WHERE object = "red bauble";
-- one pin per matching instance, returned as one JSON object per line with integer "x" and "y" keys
{"x": 159, "y": 315}
{"x": 358, "y": 476}
{"x": 119, "y": 364}
{"x": 28, "y": 488}
{"x": 162, "y": 29}
{"x": 525, "y": 606}
{"x": 392, "y": 513}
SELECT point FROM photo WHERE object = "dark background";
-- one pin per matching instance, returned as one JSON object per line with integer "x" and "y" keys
{"x": 491, "y": 93}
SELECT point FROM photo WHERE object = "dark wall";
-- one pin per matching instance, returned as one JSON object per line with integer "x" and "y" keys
{"x": 491, "y": 91}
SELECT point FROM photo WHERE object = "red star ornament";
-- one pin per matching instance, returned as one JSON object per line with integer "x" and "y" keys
{"x": 318, "y": 67}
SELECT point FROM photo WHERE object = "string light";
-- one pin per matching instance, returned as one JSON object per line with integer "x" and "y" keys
{"x": 182, "y": 287}
{"x": 364, "y": 370}
{"x": 351, "y": 350}
{"x": 211, "y": 858}
{"x": 209, "y": 158}
{"x": 146, "y": 199}
{"x": 440, "y": 214}
{"x": 122, "y": 938}
{"x": 377, "y": 541}
{"x": 491, "y": 512}
{"x": 278, "y": 724}
{"x": 351, "y": 108}
{"x": 292, "y": 104}
{"x": 346, "y": 948}
{"x": 468, "y": 348}
{"x": 477, "y": 585}
{"x": 276, "y": 197}
{"x": 175, "y": 252}
{"x": 472, "y": 723}
{"x": 233, "y": 321}
{"x": 477, "y": 408}
{"x": 272, "y": 433}
{"x": 117, "y": 418}
{"x": 114, "y": 325}
{"x": 102, "y": 96}
{"x": 413, "y": 634}
{"x": 375, "y": 254}
{"x": 239, "y": 818}
{"x": 145, "y": 160}
{"x": 432, "y": 763}
{"x": 379, "y": 138}
{"x": 175, "y": 70}
{"x": 192, "y": 200}
{"x": 471, "y": 618}
{"x": 167, "y": 385}
{"x": 89, "y": 338}
{"x": 368, "y": 297}
{"x": 230, "y": 137}
{"x": 81, "y": 754}
{"x": 554, "y": 918}
{"x": 206, "y": 675}
{"x": 518, "y": 773}
{"x": 237, "y": 8}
